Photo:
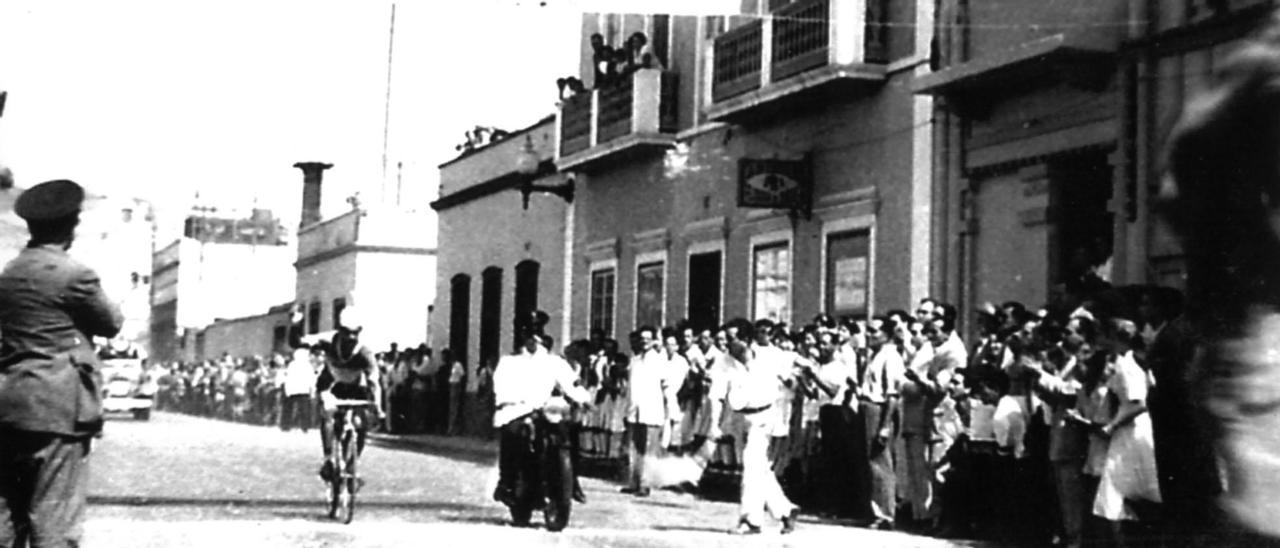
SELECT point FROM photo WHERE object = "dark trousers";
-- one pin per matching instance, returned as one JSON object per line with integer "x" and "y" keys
{"x": 841, "y": 436}
{"x": 644, "y": 441}
{"x": 295, "y": 412}
{"x": 42, "y": 484}
{"x": 513, "y": 441}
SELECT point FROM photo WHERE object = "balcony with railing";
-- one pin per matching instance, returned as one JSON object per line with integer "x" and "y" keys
{"x": 802, "y": 47}
{"x": 634, "y": 115}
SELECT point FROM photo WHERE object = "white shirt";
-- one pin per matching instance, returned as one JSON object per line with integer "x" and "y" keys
{"x": 300, "y": 376}
{"x": 757, "y": 384}
{"x": 647, "y": 388}
{"x": 523, "y": 382}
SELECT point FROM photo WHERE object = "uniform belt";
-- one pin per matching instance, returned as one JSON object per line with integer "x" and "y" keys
{"x": 754, "y": 410}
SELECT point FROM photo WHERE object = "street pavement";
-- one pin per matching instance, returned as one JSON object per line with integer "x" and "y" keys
{"x": 192, "y": 482}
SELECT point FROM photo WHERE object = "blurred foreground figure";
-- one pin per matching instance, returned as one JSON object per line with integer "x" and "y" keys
{"x": 1223, "y": 198}
{"x": 51, "y": 307}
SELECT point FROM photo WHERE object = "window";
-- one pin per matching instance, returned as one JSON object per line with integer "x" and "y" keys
{"x": 649, "y": 297}
{"x": 775, "y": 4}
{"x": 459, "y": 315}
{"x": 848, "y": 273}
{"x": 712, "y": 26}
{"x": 526, "y": 295}
{"x": 771, "y": 282}
{"x": 602, "y": 287}
{"x": 661, "y": 39}
{"x": 280, "y": 338}
{"x": 490, "y": 314}
{"x": 339, "y": 304}
{"x": 313, "y": 317}
{"x": 612, "y": 27}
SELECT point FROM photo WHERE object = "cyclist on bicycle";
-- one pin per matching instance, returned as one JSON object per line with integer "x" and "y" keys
{"x": 350, "y": 372}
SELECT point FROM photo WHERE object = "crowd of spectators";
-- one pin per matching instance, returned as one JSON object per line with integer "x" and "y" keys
{"x": 1038, "y": 431}
{"x": 423, "y": 395}
{"x": 1047, "y": 427}
{"x": 612, "y": 64}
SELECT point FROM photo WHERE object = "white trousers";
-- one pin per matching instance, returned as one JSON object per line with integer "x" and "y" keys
{"x": 760, "y": 490}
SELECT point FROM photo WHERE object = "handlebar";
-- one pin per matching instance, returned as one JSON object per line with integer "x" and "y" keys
{"x": 352, "y": 403}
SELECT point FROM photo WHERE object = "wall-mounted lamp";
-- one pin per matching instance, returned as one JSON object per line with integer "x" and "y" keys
{"x": 527, "y": 166}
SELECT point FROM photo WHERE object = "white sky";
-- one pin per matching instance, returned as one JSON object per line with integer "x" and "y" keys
{"x": 161, "y": 99}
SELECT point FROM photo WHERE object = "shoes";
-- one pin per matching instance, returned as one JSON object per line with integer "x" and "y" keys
{"x": 789, "y": 521}
{"x": 504, "y": 495}
{"x": 745, "y": 527}
{"x": 578, "y": 495}
{"x": 643, "y": 492}
{"x": 881, "y": 525}
{"x": 326, "y": 470}
{"x": 629, "y": 490}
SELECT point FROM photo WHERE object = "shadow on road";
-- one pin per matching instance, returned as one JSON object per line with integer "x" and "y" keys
{"x": 142, "y": 501}
{"x": 474, "y": 456}
{"x": 689, "y": 528}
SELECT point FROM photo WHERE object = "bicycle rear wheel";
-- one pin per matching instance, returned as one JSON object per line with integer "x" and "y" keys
{"x": 350, "y": 454}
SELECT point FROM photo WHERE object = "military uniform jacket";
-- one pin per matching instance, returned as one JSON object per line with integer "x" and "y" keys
{"x": 50, "y": 308}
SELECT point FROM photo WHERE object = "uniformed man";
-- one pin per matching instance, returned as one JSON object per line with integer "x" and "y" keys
{"x": 50, "y": 385}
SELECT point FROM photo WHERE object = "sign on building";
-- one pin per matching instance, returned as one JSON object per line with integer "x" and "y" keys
{"x": 776, "y": 184}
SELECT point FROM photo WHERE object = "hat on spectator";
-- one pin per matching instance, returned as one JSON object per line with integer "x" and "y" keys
{"x": 49, "y": 201}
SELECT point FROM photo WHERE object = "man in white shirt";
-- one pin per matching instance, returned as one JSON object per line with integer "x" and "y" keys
{"x": 878, "y": 391}
{"x": 648, "y": 396}
{"x": 752, "y": 392}
{"x": 299, "y": 379}
{"x": 522, "y": 383}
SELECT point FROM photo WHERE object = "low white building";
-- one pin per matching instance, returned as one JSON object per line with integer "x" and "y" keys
{"x": 379, "y": 258}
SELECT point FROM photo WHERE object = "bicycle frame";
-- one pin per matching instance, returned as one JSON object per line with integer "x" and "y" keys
{"x": 344, "y": 440}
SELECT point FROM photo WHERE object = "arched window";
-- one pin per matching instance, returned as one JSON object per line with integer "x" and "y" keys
{"x": 526, "y": 295}
{"x": 459, "y": 315}
{"x": 490, "y": 315}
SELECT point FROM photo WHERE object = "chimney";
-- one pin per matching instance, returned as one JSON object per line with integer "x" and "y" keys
{"x": 312, "y": 174}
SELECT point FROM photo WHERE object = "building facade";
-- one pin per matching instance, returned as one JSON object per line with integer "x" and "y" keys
{"x": 210, "y": 274}
{"x": 1049, "y": 139}
{"x": 775, "y": 166}
{"x": 500, "y": 259}
{"x": 259, "y": 335}
{"x": 380, "y": 258}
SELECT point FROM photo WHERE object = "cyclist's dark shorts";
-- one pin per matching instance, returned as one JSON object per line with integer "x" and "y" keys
{"x": 349, "y": 391}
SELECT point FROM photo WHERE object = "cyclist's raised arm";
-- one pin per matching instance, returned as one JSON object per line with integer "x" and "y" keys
{"x": 296, "y": 328}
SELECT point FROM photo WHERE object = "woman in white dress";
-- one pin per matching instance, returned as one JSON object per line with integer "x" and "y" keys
{"x": 1129, "y": 474}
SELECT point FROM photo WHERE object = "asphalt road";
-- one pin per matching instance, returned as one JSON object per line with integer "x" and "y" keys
{"x": 190, "y": 482}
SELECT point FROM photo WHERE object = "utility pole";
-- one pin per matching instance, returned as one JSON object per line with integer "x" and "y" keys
{"x": 386, "y": 108}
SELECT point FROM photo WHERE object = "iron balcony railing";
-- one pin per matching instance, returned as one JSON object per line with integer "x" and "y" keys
{"x": 645, "y": 103}
{"x": 737, "y": 61}
{"x": 796, "y": 38}
{"x": 575, "y": 124}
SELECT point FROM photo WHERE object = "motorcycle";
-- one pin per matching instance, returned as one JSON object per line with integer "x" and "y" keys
{"x": 545, "y": 475}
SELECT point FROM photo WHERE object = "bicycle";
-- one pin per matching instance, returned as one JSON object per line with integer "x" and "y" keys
{"x": 343, "y": 484}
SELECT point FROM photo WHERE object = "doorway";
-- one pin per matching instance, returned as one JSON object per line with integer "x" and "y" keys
{"x": 704, "y": 290}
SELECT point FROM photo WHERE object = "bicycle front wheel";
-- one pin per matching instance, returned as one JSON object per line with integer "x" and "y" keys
{"x": 348, "y": 479}
{"x": 335, "y": 482}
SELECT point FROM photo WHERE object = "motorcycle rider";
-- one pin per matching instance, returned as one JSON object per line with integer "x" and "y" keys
{"x": 522, "y": 383}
